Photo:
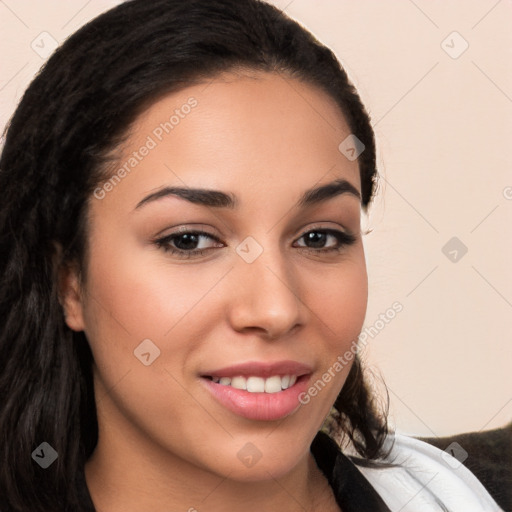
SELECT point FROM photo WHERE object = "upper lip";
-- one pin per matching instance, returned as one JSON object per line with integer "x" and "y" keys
{"x": 261, "y": 369}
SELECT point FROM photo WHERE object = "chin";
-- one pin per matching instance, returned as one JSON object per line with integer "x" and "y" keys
{"x": 252, "y": 464}
{"x": 261, "y": 471}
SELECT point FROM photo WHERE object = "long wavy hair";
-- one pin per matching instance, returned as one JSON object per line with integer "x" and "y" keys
{"x": 76, "y": 111}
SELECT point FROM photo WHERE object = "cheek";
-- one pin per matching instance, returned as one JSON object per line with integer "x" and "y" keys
{"x": 338, "y": 297}
{"x": 142, "y": 295}
{"x": 338, "y": 302}
{"x": 132, "y": 301}
{"x": 136, "y": 297}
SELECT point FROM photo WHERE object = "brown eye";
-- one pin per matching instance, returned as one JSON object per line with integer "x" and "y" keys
{"x": 188, "y": 243}
{"x": 318, "y": 238}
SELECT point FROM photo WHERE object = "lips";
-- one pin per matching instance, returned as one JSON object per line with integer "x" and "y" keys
{"x": 261, "y": 369}
{"x": 259, "y": 390}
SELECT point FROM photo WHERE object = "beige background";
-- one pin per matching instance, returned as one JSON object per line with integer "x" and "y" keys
{"x": 443, "y": 120}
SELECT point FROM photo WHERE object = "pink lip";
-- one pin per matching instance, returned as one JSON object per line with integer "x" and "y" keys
{"x": 260, "y": 406}
{"x": 261, "y": 369}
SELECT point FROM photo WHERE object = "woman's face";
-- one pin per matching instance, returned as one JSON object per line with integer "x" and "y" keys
{"x": 269, "y": 287}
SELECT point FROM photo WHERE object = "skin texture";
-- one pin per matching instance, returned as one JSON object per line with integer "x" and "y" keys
{"x": 164, "y": 442}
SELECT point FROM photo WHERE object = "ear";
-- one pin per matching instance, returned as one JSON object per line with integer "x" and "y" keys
{"x": 70, "y": 297}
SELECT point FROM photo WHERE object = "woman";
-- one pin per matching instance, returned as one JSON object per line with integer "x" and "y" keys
{"x": 183, "y": 277}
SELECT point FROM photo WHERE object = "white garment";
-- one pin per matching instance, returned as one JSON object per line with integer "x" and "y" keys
{"x": 424, "y": 474}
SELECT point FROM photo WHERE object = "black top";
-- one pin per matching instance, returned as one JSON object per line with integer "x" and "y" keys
{"x": 352, "y": 491}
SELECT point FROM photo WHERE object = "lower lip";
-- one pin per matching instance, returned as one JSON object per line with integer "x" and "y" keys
{"x": 259, "y": 406}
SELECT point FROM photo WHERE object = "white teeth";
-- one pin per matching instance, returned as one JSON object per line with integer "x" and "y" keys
{"x": 255, "y": 385}
{"x": 272, "y": 384}
{"x": 239, "y": 383}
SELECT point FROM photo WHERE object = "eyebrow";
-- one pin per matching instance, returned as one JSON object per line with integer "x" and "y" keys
{"x": 218, "y": 199}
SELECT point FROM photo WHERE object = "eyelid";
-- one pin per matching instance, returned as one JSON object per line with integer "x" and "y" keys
{"x": 203, "y": 229}
{"x": 196, "y": 231}
{"x": 321, "y": 226}
{"x": 343, "y": 237}
{"x": 184, "y": 228}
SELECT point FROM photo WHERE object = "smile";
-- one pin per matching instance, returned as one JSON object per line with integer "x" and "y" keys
{"x": 259, "y": 390}
{"x": 273, "y": 384}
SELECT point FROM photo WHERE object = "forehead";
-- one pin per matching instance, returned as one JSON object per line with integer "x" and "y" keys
{"x": 254, "y": 133}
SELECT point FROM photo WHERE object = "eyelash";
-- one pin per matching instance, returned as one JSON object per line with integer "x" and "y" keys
{"x": 343, "y": 239}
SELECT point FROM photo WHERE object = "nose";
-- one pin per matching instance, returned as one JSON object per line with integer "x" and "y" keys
{"x": 265, "y": 296}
